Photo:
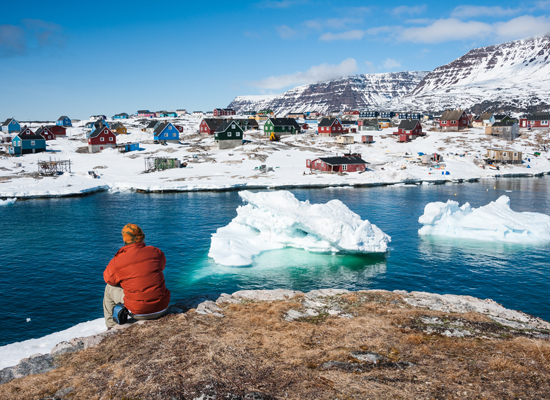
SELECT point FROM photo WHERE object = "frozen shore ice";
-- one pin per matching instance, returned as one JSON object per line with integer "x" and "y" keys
{"x": 7, "y": 201}
{"x": 495, "y": 221}
{"x": 275, "y": 220}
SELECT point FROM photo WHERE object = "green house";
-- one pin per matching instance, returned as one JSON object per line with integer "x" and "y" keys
{"x": 229, "y": 134}
{"x": 281, "y": 126}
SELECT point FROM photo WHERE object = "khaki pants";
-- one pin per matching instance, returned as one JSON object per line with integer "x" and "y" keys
{"x": 113, "y": 296}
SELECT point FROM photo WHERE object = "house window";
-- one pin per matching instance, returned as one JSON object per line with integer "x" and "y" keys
{"x": 110, "y": 139}
{"x": 453, "y": 122}
{"x": 238, "y": 134}
{"x": 101, "y": 139}
{"x": 228, "y": 134}
{"x": 515, "y": 154}
{"x": 344, "y": 167}
{"x": 544, "y": 122}
{"x": 504, "y": 154}
{"x": 32, "y": 143}
{"x": 233, "y": 126}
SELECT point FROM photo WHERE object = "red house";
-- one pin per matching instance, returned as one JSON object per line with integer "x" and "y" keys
{"x": 412, "y": 128}
{"x": 351, "y": 112}
{"x": 454, "y": 120}
{"x": 46, "y": 133}
{"x": 25, "y": 131}
{"x": 222, "y": 112}
{"x": 209, "y": 125}
{"x": 538, "y": 120}
{"x": 347, "y": 163}
{"x": 58, "y": 130}
{"x": 100, "y": 139}
{"x": 179, "y": 128}
{"x": 330, "y": 127}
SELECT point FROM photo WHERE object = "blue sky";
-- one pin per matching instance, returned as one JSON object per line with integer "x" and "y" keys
{"x": 104, "y": 58}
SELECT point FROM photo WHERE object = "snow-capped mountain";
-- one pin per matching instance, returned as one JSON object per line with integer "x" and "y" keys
{"x": 511, "y": 76}
{"x": 350, "y": 92}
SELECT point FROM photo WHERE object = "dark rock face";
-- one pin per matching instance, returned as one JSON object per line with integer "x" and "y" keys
{"x": 349, "y": 93}
{"x": 38, "y": 364}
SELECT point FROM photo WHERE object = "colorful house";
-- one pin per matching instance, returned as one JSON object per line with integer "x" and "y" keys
{"x": 369, "y": 114}
{"x": 454, "y": 120}
{"x": 145, "y": 114}
{"x": 536, "y": 120}
{"x": 96, "y": 125}
{"x": 121, "y": 116}
{"x": 64, "y": 121}
{"x": 347, "y": 163}
{"x": 281, "y": 126}
{"x": 119, "y": 129}
{"x": 222, "y": 112}
{"x": 100, "y": 139}
{"x": 411, "y": 128}
{"x": 25, "y": 131}
{"x": 11, "y": 125}
{"x": 58, "y": 130}
{"x": 330, "y": 127}
{"x": 344, "y": 139}
{"x": 507, "y": 130}
{"x": 228, "y": 135}
{"x": 150, "y": 128}
{"x": 505, "y": 156}
{"x": 181, "y": 111}
{"x": 27, "y": 144}
{"x": 167, "y": 132}
{"x": 46, "y": 133}
{"x": 295, "y": 115}
{"x": 209, "y": 125}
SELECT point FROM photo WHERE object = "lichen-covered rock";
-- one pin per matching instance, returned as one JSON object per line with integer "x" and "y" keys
{"x": 210, "y": 308}
{"x": 35, "y": 364}
{"x": 325, "y": 293}
{"x": 266, "y": 295}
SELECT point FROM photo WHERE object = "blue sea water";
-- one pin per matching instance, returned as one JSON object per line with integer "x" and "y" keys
{"x": 54, "y": 251}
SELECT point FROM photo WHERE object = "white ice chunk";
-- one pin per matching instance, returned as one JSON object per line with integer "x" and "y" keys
{"x": 275, "y": 220}
{"x": 7, "y": 201}
{"x": 494, "y": 222}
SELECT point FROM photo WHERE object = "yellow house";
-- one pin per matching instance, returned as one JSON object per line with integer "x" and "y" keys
{"x": 345, "y": 139}
{"x": 119, "y": 129}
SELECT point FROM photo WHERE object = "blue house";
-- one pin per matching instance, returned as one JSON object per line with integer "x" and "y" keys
{"x": 387, "y": 114}
{"x": 415, "y": 115}
{"x": 167, "y": 132}
{"x": 121, "y": 116}
{"x": 97, "y": 124}
{"x": 167, "y": 114}
{"x": 25, "y": 144}
{"x": 11, "y": 125}
{"x": 126, "y": 147}
{"x": 64, "y": 121}
{"x": 369, "y": 114}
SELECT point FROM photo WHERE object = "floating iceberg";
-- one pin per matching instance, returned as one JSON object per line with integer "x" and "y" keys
{"x": 494, "y": 222}
{"x": 7, "y": 201}
{"x": 275, "y": 220}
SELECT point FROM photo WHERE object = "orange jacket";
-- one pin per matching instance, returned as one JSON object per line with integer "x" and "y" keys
{"x": 138, "y": 270}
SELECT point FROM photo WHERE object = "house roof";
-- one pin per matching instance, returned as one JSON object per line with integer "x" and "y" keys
{"x": 160, "y": 127}
{"x": 62, "y": 118}
{"x": 121, "y": 114}
{"x": 505, "y": 123}
{"x": 117, "y": 125}
{"x": 98, "y": 130}
{"x": 213, "y": 123}
{"x": 144, "y": 112}
{"x": 530, "y": 117}
{"x": 7, "y": 122}
{"x": 452, "y": 115}
{"x": 284, "y": 122}
{"x": 34, "y": 136}
{"x": 152, "y": 124}
{"x": 501, "y": 116}
{"x": 408, "y": 124}
{"x": 327, "y": 121}
{"x": 225, "y": 126}
{"x": 343, "y": 160}
{"x": 42, "y": 130}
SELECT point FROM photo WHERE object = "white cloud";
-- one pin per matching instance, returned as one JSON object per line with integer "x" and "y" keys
{"x": 522, "y": 27}
{"x": 355, "y": 34}
{"x": 409, "y": 10}
{"x": 382, "y": 29}
{"x": 316, "y": 73}
{"x": 482, "y": 11}
{"x": 286, "y": 32}
{"x": 445, "y": 30}
{"x": 390, "y": 63}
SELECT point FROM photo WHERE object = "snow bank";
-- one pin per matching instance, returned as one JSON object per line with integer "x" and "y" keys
{"x": 11, "y": 354}
{"x": 7, "y": 201}
{"x": 494, "y": 222}
{"x": 275, "y": 220}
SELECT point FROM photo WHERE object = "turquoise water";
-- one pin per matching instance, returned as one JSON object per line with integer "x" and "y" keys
{"x": 55, "y": 251}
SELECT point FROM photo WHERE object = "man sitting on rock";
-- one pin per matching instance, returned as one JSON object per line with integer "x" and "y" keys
{"x": 134, "y": 277}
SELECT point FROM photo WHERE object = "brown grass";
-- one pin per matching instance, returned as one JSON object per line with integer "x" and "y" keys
{"x": 253, "y": 349}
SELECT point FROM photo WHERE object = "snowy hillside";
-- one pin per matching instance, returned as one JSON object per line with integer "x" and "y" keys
{"x": 513, "y": 76}
{"x": 351, "y": 92}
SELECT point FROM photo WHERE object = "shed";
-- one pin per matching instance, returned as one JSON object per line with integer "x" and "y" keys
{"x": 505, "y": 156}
{"x": 367, "y": 139}
{"x": 345, "y": 139}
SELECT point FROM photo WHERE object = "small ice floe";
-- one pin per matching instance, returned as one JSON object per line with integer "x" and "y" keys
{"x": 28, "y": 320}
{"x": 8, "y": 201}
{"x": 276, "y": 220}
{"x": 508, "y": 191}
{"x": 494, "y": 222}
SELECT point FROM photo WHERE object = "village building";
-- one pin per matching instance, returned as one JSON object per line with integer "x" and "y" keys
{"x": 410, "y": 128}
{"x": 101, "y": 138}
{"x": 164, "y": 114}
{"x": 330, "y": 127}
{"x": 197, "y": 114}
{"x": 281, "y": 126}
{"x": 387, "y": 114}
{"x": 119, "y": 129}
{"x": 181, "y": 111}
{"x": 454, "y": 120}
{"x": 11, "y": 125}
{"x": 121, "y": 116}
{"x": 369, "y": 114}
{"x": 145, "y": 114}
{"x": 209, "y": 125}
{"x": 368, "y": 125}
{"x": 126, "y": 147}
{"x": 535, "y": 120}
{"x": 64, "y": 121}
{"x": 367, "y": 139}
{"x": 351, "y": 112}
{"x": 431, "y": 158}
{"x": 228, "y": 135}
{"x": 295, "y": 115}
{"x": 414, "y": 115}
{"x": 505, "y": 156}
{"x": 222, "y": 112}
{"x": 25, "y": 131}
{"x": 166, "y": 132}
{"x": 347, "y": 163}
{"x": 46, "y": 133}
{"x": 99, "y": 116}
{"x": 150, "y": 128}
{"x": 508, "y": 130}
{"x": 58, "y": 130}
{"x": 344, "y": 139}
{"x": 27, "y": 144}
